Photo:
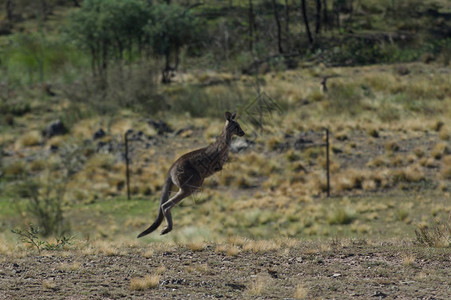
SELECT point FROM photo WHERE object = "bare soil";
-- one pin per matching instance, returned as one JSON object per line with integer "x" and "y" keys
{"x": 332, "y": 270}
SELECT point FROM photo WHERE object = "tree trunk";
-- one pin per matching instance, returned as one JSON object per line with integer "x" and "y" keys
{"x": 307, "y": 28}
{"x": 10, "y": 10}
{"x": 166, "y": 77}
{"x": 325, "y": 16}
{"x": 251, "y": 26}
{"x": 44, "y": 8}
{"x": 318, "y": 17}
{"x": 287, "y": 18}
{"x": 279, "y": 29}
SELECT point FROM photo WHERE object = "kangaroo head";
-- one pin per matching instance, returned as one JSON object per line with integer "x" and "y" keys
{"x": 232, "y": 125}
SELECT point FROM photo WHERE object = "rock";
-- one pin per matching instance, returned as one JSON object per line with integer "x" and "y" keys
{"x": 241, "y": 144}
{"x": 104, "y": 147}
{"x": 98, "y": 134}
{"x": 379, "y": 294}
{"x": 54, "y": 128}
{"x": 160, "y": 126}
{"x": 301, "y": 143}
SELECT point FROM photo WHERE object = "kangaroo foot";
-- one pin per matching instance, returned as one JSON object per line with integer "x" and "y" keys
{"x": 166, "y": 230}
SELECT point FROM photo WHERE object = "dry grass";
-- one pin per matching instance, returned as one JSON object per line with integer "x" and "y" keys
{"x": 196, "y": 246}
{"x": 149, "y": 253}
{"x": 229, "y": 250}
{"x": 198, "y": 268}
{"x": 259, "y": 285}
{"x": 440, "y": 149}
{"x": 70, "y": 267}
{"x": 300, "y": 292}
{"x": 408, "y": 260}
{"x": 102, "y": 247}
{"x": 437, "y": 235}
{"x": 160, "y": 270}
{"x": 261, "y": 246}
{"x": 144, "y": 283}
{"x": 446, "y": 167}
{"x": 29, "y": 139}
{"x": 49, "y": 284}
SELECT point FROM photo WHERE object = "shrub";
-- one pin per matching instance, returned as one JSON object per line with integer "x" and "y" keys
{"x": 345, "y": 98}
{"x": 341, "y": 216}
{"x": 144, "y": 283}
{"x": 133, "y": 87}
{"x": 438, "y": 235}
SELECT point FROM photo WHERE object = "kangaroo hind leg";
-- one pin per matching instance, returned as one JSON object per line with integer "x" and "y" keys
{"x": 186, "y": 189}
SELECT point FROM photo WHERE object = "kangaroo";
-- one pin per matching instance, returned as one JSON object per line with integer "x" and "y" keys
{"x": 189, "y": 171}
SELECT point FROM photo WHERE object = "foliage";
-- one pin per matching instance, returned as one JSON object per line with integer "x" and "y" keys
{"x": 170, "y": 27}
{"x": 109, "y": 29}
{"x": 438, "y": 235}
{"x": 30, "y": 236}
{"x": 133, "y": 87}
{"x": 116, "y": 30}
{"x": 37, "y": 55}
{"x": 44, "y": 196}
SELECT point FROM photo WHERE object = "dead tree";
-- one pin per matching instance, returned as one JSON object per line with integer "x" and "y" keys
{"x": 10, "y": 10}
{"x": 279, "y": 28}
{"x": 318, "y": 17}
{"x": 251, "y": 26}
{"x": 307, "y": 27}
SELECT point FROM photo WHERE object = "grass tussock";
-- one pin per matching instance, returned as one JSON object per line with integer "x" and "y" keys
{"x": 259, "y": 285}
{"x": 438, "y": 235}
{"x": 408, "y": 260}
{"x": 70, "y": 267}
{"x": 29, "y": 139}
{"x": 196, "y": 246}
{"x": 49, "y": 284}
{"x": 300, "y": 292}
{"x": 229, "y": 250}
{"x": 446, "y": 167}
{"x": 341, "y": 216}
{"x": 144, "y": 283}
{"x": 440, "y": 149}
{"x": 261, "y": 246}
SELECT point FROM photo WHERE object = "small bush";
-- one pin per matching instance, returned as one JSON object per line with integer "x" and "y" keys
{"x": 341, "y": 216}
{"x": 438, "y": 235}
{"x": 29, "y": 139}
{"x": 440, "y": 150}
{"x": 345, "y": 98}
{"x": 144, "y": 283}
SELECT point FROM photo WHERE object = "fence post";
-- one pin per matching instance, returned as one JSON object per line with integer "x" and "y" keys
{"x": 127, "y": 172}
{"x": 327, "y": 162}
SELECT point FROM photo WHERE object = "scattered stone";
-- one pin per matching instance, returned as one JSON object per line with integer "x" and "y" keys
{"x": 241, "y": 144}
{"x": 54, "y": 128}
{"x": 379, "y": 294}
{"x": 160, "y": 126}
{"x": 104, "y": 147}
{"x": 336, "y": 275}
{"x": 236, "y": 286}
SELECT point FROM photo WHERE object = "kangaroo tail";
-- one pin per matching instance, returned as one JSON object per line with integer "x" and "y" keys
{"x": 163, "y": 199}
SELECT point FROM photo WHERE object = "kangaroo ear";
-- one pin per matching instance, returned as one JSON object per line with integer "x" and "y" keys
{"x": 228, "y": 116}
{"x": 234, "y": 115}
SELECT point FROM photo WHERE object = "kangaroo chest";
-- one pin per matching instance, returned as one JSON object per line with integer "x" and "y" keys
{"x": 210, "y": 160}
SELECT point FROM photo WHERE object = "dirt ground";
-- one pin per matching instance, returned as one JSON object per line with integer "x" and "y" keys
{"x": 309, "y": 270}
